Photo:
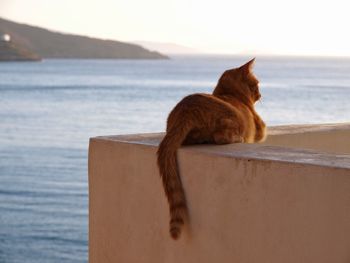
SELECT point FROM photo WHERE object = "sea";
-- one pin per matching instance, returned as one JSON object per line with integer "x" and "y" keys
{"x": 50, "y": 109}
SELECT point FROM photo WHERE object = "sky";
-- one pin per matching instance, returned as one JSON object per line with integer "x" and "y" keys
{"x": 288, "y": 27}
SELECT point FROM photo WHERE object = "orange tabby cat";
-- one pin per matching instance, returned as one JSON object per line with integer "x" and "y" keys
{"x": 227, "y": 116}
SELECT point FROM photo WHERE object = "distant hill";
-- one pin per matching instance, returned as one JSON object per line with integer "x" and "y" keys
{"x": 168, "y": 48}
{"x": 49, "y": 44}
{"x": 11, "y": 52}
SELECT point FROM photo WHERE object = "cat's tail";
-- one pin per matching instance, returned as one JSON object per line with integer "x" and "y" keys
{"x": 167, "y": 163}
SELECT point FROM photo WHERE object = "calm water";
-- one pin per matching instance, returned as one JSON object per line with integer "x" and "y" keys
{"x": 49, "y": 110}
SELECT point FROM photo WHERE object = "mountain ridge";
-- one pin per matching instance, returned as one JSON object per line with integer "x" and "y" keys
{"x": 168, "y": 48}
{"x": 52, "y": 44}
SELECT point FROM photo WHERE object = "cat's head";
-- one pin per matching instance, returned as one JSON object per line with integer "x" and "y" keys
{"x": 240, "y": 83}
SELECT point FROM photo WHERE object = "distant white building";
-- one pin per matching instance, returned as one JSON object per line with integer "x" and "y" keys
{"x": 5, "y": 38}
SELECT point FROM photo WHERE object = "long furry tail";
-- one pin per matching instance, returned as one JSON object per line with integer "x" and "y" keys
{"x": 167, "y": 163}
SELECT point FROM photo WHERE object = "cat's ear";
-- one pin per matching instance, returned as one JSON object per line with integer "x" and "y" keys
{"x": 247, "y": 68}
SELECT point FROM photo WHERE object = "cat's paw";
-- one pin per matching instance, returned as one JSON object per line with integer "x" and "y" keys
{"x": 237, "y": 139}
{"x": 224, "y": 138}
{"x": 221, "y": 138}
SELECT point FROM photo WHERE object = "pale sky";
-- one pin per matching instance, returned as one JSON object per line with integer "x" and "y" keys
{"x": 293, "y": 27}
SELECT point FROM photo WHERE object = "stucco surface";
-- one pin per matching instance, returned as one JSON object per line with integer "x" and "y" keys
{"x": 247, "y": 203}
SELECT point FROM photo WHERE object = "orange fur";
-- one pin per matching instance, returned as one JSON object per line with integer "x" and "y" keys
{"x": 226, "y": 116}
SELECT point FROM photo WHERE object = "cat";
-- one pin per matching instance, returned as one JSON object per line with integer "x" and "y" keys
{"x": 226, "y": 116}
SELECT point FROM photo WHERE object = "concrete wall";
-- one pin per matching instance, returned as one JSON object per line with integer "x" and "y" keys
{"x": 330, "y": 138}
{"x": 248, "y": 203}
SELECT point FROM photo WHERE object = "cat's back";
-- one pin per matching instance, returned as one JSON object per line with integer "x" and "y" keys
{"x": 200, "y": 108}
{"x": 201, "y": 102}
